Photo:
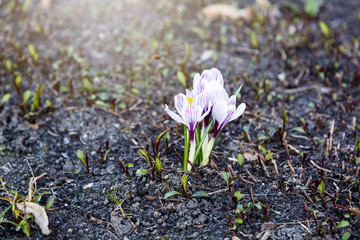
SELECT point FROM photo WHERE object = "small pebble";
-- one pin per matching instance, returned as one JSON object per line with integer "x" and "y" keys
{"x": 70, "y": 231}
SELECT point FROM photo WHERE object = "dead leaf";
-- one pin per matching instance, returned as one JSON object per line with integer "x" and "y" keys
{"x": 228, "y": 12}
{"x": 354, "y": 211}
{"x": 34, "y": 126}
{"x": 250, "y": 156}
{"x": 39, "y": 213}
{"x": 268, "y": 225}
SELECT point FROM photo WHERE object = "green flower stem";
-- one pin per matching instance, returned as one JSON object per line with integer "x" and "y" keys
{"x": 186, "y": 150}
{"x": 198, "y": 138}
{"x": 191, "y": 154}
{"x": 198, "y": 150}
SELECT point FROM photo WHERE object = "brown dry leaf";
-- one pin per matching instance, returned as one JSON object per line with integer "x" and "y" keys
{"x": 250, "y": 156}
{"x": 354, "y": 211}
{"x": 215, "y": 11}
{"x": 34, "y": 126}
{"x": 39, "y": 213}
{"x": 268, "y": 225}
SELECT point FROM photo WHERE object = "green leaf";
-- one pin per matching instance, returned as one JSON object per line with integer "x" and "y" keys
{"x": 26, "y": 96}
{"x": 254, "y": 40}
{"x": 240, "y": 159}
{"x": 238, "y": 195}
{"x": 158, "y": 165}
{"x": 48, "y": 103}
{"x": 37, "y": 95}
{"x": 81, "y": 156}
{"x": 49, "y": 204}
{"x": 33, "y": 52}
{"x": 184, "y": 181}
{"x": 5, "y": 98}
{"x": 9, "y": 65}
{"x": 321, "y": 187}
{"x": 268, "y": 156}
{"x": 130, "y": 165}
{"x": 346, "y": 236}
{"x": 87, "y": 85}
{"x": 258, "y": 205}
{"x": 357, "y": 161}
{"x": 238, "y": 220}
{"x": 145, "y": 154}
{"x": 200, "y": 194}
{"x": 157, "y": 141}
{"x": 18, "y": 80}
{"x": 101, "y": 104}
{"x": 3, "y": 212}
{"x": 142, "y": 172}
{"x": 182, "y": 78}
{"x": 226, "y": 177}
{"x": 298, "y": 129}
{"x": 284, "y": 115}
{"x": 172, "y": 193}
{"x": 262, "y": 148}
{"x": 25, "y": 228}
{"x": 312, "y": 7}
{"x": 26, "y": 5}
{"x": 324, "y": 29}
{"x": 136, "y": 91}
{"x": 342, "y": 224}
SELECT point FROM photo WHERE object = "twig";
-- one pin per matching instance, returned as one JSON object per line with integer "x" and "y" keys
{"x": 264, "y": 168}
{"x": 251, "y": 176}
{"x": 246, "y": 181}
{"x": 318, "y": 167}
{"x": 300, "y": 89}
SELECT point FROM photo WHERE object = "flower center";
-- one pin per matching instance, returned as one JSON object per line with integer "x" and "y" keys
{"x": 190, "y": 100}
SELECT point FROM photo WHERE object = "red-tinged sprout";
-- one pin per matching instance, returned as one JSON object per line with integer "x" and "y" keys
{"x": 305, "y": 210}
{"x": 87, "y": 163}
{"x": 107, "y": 144}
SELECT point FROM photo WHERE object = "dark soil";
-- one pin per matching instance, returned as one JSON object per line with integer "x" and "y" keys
{"x": 313, "y": 76}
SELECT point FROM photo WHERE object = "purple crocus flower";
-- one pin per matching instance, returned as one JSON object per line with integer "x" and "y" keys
{"x": 223, "y": 111}
{"x": 191, "y": 113}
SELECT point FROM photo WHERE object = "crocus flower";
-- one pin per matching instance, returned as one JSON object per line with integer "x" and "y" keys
{"x": 222, "y": 112}
{"x": 200, "y": 81}
{"x": 191, "y": 114}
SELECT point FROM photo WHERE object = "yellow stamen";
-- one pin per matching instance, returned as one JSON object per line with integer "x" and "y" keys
{"x": 190, "y": 100}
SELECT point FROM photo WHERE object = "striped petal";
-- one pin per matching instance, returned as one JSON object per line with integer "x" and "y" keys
{"x": 219, "y": 112}
{"x": 173, "y": 115}
{"x": 240, "y": 110}
{"x": 180, "y": 102}
{"x": 232, "y": 100}
{"x": 218, "y": 76}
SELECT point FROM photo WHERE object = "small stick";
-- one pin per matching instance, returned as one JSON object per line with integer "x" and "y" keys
{"x": 264, "y": 168}
{"x": 308, "y": 182}
{"x": 251, "y": 176}
{"x": 246, "y": 181}
{"x": 307, "y": 196}
{"x": 318, "y": 167}
{"x": 292, "y": 169}
{"x": 4, "y": 187}
{"x": 275, "y": 166}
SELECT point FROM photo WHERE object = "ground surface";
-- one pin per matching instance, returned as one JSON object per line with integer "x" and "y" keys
{"x": 95, "y": 60}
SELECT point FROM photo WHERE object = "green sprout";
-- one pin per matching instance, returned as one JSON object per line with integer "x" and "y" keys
{"x": 153, "y": 159}
{"x": 83, "y": 158}
{"x": 184, "y": 182}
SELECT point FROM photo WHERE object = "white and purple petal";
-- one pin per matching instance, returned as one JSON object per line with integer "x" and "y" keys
{"x": 218, "y": 76}
{"x": 240, "y": 110}
{"x": 174, "y": 116}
